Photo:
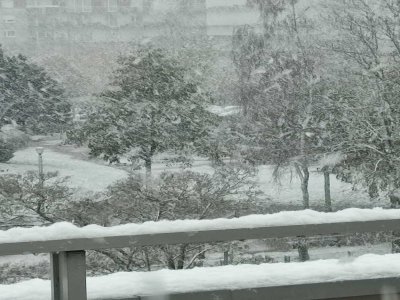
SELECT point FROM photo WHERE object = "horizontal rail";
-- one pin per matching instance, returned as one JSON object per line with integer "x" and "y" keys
{"x": 220, "y": 235}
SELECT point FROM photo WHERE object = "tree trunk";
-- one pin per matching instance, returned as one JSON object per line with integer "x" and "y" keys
{"x": 170, "y": 262}
{"x": 304, "y": 187}
{"x": 147, "y": 165}
{"x": 394, "y": 204}
{"x": 147, "y": 259}
{"x": 182, "y": 256}
{"x": 226, "y": 258}
{"x": 396, "y": 242}
{"x": 327, "y": 188}
{"x": 302, "y": 248}
{"x": 304, "y": 175}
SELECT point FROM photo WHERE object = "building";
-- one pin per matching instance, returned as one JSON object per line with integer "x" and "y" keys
{"x": 224, "y": 16}
{"x": 14, "y": 31}
{"x": 49, "y": 24}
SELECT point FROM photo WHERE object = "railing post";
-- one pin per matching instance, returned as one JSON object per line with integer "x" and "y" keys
{"x": 55, "y": 276}
{"x": 68, "y": 275}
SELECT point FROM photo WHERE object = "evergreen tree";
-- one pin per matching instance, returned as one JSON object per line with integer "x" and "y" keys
{"x": 151, "y": 107}
{"x": 30, "y": 97}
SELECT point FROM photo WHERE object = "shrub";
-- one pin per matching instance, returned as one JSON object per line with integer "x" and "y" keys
{"x": 6, "y": 151}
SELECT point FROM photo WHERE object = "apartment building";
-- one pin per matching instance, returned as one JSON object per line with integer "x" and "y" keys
{"x": 14, "y": 31}
{"x": 49, "y": 24}
{"x": 224, "y": 16}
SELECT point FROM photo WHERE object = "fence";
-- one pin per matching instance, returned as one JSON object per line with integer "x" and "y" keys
{"x": 68, "y": 267}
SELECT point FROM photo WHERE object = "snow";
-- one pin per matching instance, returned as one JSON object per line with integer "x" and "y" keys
{"x": 331, "y": 160}
{"x": 124, "y": 285}
{"x": 86, "y": 175}
{"x": 223, "y": 111}
{"x": 64, "y": 230}
{"x": 94, "y": 175}
{"x": 288, "y": 192}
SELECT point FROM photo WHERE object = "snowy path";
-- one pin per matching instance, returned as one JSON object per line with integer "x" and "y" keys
{"x": 83, "y": 174}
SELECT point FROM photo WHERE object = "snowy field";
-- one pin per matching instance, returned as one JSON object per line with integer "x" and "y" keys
{"x": 96, "y": 175}
{"x": 287, "y": 191}
{"x": 86, "y": 175}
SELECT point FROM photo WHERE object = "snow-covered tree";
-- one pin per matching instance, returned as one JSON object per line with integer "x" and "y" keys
{"x": 68, "y": 74}
{"x": 247, "y": 55}
{"x": 367, "y": 41}
{"x": 34, "y": 199}
{"x": 178, "y": 195}
{"x": 30, "y": 97}
{"x": 151, "y": 107}
{"x": 284, "y": 115}
{"x": 6, "y": 150}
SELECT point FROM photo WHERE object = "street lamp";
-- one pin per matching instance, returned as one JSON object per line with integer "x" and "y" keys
{"x": 39, "y": 151}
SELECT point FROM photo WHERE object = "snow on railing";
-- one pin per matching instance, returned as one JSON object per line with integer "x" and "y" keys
{"x": 67, "y": 244}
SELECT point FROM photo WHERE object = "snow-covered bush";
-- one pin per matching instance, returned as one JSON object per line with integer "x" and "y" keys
{"x": 37, "y": 199}
{"x": 19, "y": 271}
{"x": 6, "y": 151}
{"x": 174, "y": 195}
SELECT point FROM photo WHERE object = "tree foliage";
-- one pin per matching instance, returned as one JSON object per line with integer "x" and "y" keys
{"x": 30, "y": 97}
{"x": 173, "y": 196}
{"x": 151, "y": 107}
{"x": 38, "y": 200}
{"x": 6, "y": 151}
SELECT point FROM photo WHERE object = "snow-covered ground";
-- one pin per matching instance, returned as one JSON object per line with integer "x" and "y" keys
{"x": 260, "y": 249}
{"x": 86, "y": 175}
{"x": 95, "y": 175}
{"x": 124, "y": 285}
{"x": 287, "y": 190}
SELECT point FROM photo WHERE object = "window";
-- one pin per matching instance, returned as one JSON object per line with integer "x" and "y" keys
{"x": 124, "y": 3}
{"x": 9, "y": 19}
{"x": 113, "y": 21}
{"x": 35, "y": 3}
{"x": 112, "y": 6}
{"x": 86, "y": 5}
{"x": 20, "y": 3}
{"x": 7, "y": 3}
{"x": 147, "y": 6}
{"x": 9, "y": 33}
{"x": 100, "y": 5}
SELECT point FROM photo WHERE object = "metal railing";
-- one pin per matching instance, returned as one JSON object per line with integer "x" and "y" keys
{"x": 68, "y": 266}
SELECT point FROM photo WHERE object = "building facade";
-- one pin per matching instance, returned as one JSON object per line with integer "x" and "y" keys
{"x": 38, "y": 24}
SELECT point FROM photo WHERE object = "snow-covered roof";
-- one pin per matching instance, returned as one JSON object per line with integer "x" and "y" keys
{"x": 126, "y": 285}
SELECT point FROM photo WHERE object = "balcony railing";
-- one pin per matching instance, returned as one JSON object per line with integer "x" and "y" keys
{"x": 68, "y": 267}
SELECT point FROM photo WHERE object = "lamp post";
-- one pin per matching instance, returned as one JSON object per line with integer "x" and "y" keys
{"x": 39, "y": 151}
